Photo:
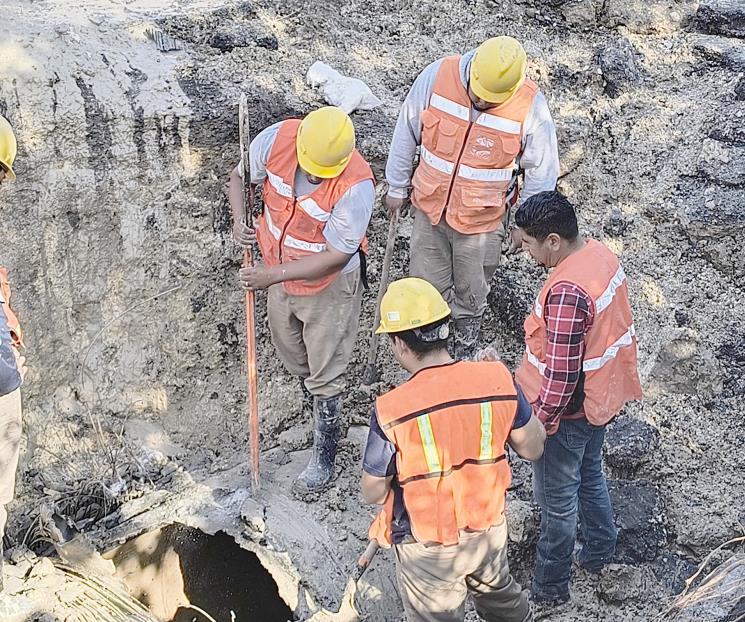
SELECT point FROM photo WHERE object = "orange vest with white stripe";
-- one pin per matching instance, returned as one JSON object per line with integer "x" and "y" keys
{"x": 610, "y": 361}
{"x": 13, "y": 324}
{"x": 290, "y": 227}
{"x": 449, "y": 425}
{"x": 467, "y": 169}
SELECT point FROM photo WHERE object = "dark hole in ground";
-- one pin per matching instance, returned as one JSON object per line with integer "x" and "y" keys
{"x": 171, "y": 568}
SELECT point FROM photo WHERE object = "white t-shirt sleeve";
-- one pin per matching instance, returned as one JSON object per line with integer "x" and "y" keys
{"x": 540, "y": 156}
{"x": 350, "y": 217}
{"x": 258, "y": 152}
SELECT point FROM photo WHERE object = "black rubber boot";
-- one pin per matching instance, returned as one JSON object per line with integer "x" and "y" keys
{"x": 467, "y": 331}
{"x": 320, "y": 470}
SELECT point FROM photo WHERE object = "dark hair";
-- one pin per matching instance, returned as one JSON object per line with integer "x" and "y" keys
{"x": 547, "y": 212}
{"x": 422, "y": 347}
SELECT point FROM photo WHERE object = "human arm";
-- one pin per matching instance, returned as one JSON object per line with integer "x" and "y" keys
{"x": 528, "y": 435}
{"x": 378, "y": 464}
{"x": 540, "y": 154}
{"x": 568, "y": 313}
{"x": 344, "y": 232}
{"x": 259, "y": 150}
{"x": 10, "y": 363}
{"x": 407, "y": 136}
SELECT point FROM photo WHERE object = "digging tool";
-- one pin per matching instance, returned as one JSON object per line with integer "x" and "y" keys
{"x": 244, "y": 134}
{"x": 347, "y": 610}
{"x": 370, "y": 375}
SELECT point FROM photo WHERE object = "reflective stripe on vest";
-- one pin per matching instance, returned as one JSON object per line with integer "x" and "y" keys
{"x": 592, "y": 364}
{"x": 449, "y": 106}
{"x": 279, "y": 184}
{"x": 302, "y": 245}
{"x": 603, "y": 301}
{"x": 273, "y": 229}
{"x": 428, "y": 443}
{"x": 478, "y": 174}
{"x": 486, "y": 436}
{"x": 310, "y": 207}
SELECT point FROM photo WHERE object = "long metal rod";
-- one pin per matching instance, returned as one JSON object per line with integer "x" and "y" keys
{"x": 244, "y": 132}
{"x": 370, "y": 374}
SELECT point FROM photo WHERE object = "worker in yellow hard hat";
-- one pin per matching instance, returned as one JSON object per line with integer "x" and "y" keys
{"x": 480, "y": 124}
{"x": 435, "y": 459}
{"x": 12, "y": 369}
{"x": 8, "y": 150}
{"x": 318, "y": 196}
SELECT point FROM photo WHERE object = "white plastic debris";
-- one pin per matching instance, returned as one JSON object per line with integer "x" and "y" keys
{"x": 349, "y": 94}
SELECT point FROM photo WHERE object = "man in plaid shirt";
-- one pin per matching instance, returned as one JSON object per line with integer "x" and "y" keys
{"x": 578, "y": 370}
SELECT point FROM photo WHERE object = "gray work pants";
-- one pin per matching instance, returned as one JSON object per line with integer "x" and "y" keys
{"x": 315, "y": 335}
{"x": 459, "y": 265}
{"x": 10, "y": 442}
{"x": 434, "y": 580}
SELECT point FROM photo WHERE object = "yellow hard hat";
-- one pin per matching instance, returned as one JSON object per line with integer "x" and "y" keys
{"x": 325, "y": 141}
{"x": 8, "y": 147}
{"x": 409, "y": 304}
{"x": 498, "y": 69}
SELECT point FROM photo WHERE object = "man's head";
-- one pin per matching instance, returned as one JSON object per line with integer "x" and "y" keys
{"x": 549, "y": 227}
{"x": 416, "y": 317}
{"x": 8, "y": 149}
{"x": 325, "y": 142}
{"x": 497, "y": 72}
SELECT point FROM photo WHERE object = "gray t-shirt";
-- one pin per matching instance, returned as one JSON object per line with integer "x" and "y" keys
{"x": 351, "y": 215}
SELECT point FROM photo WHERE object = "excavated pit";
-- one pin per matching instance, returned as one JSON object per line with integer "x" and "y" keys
{"x": 176, "y": 568}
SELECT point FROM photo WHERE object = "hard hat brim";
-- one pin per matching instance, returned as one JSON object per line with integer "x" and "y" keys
{"x": 488, "y": 96}
{"x": 325, "y": 172}
{"x": 382, "y": 329}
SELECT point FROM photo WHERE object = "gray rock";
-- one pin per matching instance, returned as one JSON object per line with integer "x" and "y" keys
{"x": 728, "y": 53}
{"x": 616, "y": 223}
{"x": 629, "y": 443}
{"x": 721, "y": 17}
{"x": 580, "y": 13}
{"x": 620, "y": 583}
{"x": 740, "y": 90}
{"x": 638, "y": 512}
{"x": 642, "y": 17}
{"x": 619, "y": 67}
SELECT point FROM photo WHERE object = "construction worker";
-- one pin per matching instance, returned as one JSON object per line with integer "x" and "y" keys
{"x": 318, "y": 198}
{"x": 11, "y": 361}
{"x": 435, "y": 457}
{"x": 578, "y": 371}
{"x": 479, "y": 123}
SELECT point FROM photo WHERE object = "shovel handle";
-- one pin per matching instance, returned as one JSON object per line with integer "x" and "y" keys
{"x": 363, "y": 563}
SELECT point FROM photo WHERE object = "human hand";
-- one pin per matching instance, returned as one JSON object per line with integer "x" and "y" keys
{"x": 488, "y": 354}
{"x": 20, "y": 363}
{"x": 259, "y": 276}
{"x": 393, "y": 203}
{"x": 244, "y": 236}
{"x": 516, "y": 241}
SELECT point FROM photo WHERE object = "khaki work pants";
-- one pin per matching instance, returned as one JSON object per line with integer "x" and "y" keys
{"x": 459, "y": 265}
{"x": 10, "y": 442}
{"x": 434, "y": 580}
{"x": 315, "y": 335}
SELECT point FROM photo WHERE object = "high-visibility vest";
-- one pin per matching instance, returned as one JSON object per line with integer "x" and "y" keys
{"x": 449, "y": 425}
{"x": 610, "y": 359}
{"x": 291, "y": 227}
{"x": 16, "y": 333}
{"x": 468, "y": 169}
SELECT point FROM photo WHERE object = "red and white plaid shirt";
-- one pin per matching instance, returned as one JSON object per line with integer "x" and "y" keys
{"x": 568, "y": 313}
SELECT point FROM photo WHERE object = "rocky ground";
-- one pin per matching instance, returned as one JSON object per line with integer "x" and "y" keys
{"x": 117, "y": 238}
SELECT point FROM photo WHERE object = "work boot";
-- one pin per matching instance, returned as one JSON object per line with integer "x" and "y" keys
{"x": 467, "y": 331}
{"x": 326, "y": 433}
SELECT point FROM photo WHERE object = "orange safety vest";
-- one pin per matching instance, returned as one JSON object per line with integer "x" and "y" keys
{"x": 449, "y": 425}
{"x": 291, "y": 228}
{"x": 610, "y": 363}
{"x": 468, "y": 169}
{"x": 16, "y": 333}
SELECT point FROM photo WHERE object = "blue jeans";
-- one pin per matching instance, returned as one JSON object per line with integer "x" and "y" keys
{"x": 567, "y": 480}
